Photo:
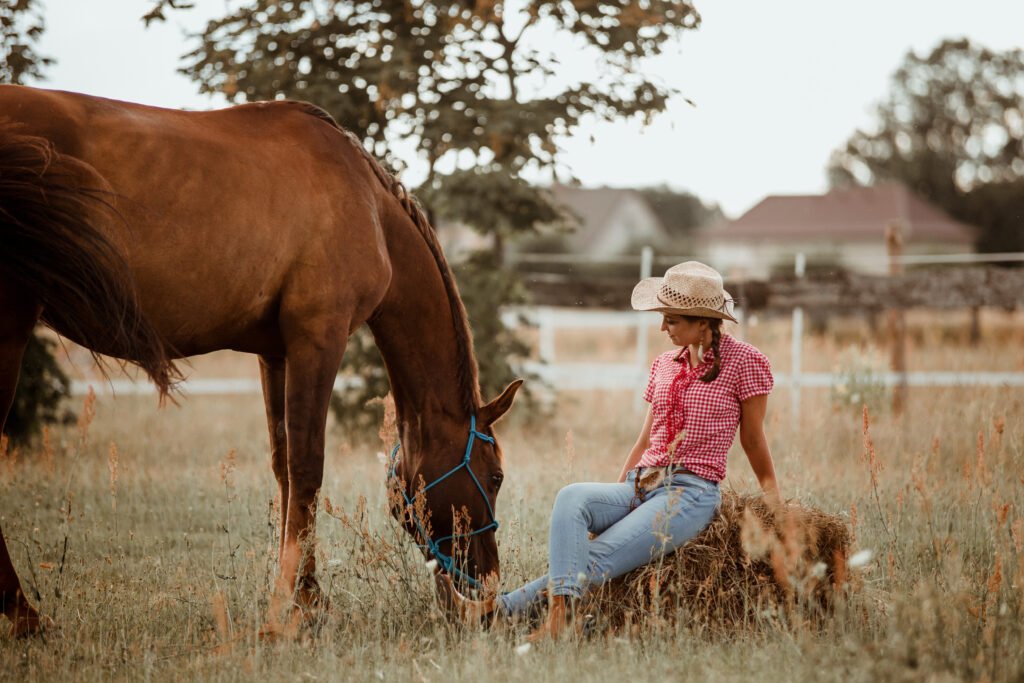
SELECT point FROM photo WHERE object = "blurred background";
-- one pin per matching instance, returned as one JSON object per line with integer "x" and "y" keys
{"x": 856, "y": 173}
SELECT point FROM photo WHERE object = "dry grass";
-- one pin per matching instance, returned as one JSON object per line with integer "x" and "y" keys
{"x": 750, "y": 567}
{"x": 149, "y": 535}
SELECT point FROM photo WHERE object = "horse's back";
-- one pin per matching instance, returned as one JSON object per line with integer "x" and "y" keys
{"x": 219, "y": 211}
{"x": 267, "y": 148}
{"x": 68, "y": 119}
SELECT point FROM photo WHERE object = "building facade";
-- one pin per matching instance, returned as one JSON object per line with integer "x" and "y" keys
{"x": 844, "y": 229}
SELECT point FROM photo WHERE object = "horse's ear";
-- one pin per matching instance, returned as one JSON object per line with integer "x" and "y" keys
{"x": 492, "y": 412}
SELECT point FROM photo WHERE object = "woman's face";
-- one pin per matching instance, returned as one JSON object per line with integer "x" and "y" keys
{"x": 683, "y": 331}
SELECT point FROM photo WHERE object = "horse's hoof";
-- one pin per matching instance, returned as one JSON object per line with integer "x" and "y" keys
{"x": 311, "y": 599}
{"x": 309, "y": 595}
{"x": 313, "y": 602}
{"x": 459, "y": 608}
{"x": 283, "y": 624}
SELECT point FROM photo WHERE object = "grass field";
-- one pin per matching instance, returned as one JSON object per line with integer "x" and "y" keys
{"x": 149, "y": 535}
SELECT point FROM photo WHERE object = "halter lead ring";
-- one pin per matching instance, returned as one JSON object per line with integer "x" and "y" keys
{"x": 447, "y": 562}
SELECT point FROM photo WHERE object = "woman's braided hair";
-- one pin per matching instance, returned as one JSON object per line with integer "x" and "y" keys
{"x": 716, "y": 337}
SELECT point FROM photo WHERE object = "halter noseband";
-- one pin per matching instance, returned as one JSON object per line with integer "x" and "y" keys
{"x": 433, "y": 546}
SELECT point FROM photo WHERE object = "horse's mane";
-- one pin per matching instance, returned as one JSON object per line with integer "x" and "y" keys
{"x": 469, "y": 386}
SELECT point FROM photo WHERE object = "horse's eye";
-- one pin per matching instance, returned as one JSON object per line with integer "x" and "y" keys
{"x": 497, "y": 479}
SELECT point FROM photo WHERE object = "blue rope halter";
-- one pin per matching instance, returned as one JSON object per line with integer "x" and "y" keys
{"x": 433, "y": 546}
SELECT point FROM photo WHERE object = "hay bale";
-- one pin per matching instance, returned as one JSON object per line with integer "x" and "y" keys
{"x": 749, "y": 564}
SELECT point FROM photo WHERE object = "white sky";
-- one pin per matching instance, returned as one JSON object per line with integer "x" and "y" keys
{"x": 778, "y": 85}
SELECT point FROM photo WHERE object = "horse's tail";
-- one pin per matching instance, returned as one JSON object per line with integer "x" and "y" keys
{"x": 52, "y": 248}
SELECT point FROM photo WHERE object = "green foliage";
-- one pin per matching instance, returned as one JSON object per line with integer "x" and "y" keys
{"x": 493, "y": 201}
{"x": 951, "y": 129}
{"x": 999, "y": 208}
{"x": 41, "y": 388}
{"x": 21, "y": 25}
{"x": 486, "y": 287}
{"x": 456, "y": 76}
{"x": 475, "y": 85}
{"x": 680, "y": 212}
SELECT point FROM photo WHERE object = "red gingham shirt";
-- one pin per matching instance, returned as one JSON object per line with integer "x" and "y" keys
{"x": 709, "y": 412}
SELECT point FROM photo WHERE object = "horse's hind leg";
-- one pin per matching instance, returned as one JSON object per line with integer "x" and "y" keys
{"x": 272, "y": 374}
{"x": 25, "y": 620}
{"x": 17, "y": 319}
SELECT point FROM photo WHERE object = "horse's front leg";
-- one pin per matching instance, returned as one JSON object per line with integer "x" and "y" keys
{"x": 312, "y": 365}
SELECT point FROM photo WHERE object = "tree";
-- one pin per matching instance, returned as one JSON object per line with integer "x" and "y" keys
{"x": 681, "y": 212}
{"x": 41, "y": 388}
{"x": 999, "y": 208}
{"x": 21, "y": 25}
{"x": 478, "y": 87}
{"x": 952, "y": 129}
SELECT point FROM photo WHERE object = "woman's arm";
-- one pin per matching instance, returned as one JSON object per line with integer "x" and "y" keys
{"x": 755, "y": 443}
{"x": 642, "y": 442}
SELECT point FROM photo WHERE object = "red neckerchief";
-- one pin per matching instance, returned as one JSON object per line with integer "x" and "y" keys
{"x": 686, "y": 376}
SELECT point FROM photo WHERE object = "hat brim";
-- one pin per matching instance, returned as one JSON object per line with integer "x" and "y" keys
{"x": 645, "y": 298}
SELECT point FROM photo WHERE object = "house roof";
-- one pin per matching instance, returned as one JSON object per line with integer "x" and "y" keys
{"x": 594, "y": 205}
{"x": 603, "y": 214}
{"x": 853, "y": 214}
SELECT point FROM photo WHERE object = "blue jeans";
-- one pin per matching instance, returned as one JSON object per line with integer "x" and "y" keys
{"x": 668, "y": 517}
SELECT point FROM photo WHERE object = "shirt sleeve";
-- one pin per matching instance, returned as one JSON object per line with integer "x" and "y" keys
{"x": 651, "y": 382}
{"x": 755, "y": 377}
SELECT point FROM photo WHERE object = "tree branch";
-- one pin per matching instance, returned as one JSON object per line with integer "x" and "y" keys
{"x": 156, "y": 13}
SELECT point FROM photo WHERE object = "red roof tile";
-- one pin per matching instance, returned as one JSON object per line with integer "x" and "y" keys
{"x": 854, "y": 214}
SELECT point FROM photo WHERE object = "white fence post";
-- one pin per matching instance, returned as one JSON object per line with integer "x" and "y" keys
{"x": 797, "y": 348}
{"x": 642, "y": 323}
{"x": 546, "y": 334}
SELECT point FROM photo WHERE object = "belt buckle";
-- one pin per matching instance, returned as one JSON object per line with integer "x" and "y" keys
{"x": 647, "y": 479}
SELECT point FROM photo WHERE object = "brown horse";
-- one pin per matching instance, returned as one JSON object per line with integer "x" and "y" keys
{"x": 150, "y": 234}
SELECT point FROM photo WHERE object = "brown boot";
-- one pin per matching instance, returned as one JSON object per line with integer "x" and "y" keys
{"x": 557, "y": 623}
{"x": 459, "y": 607}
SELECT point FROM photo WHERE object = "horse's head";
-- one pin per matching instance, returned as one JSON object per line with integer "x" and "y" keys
{"x": 446, "y": 487}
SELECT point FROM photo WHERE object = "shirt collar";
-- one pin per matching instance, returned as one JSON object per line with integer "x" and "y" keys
{"x": 709, "y": 354}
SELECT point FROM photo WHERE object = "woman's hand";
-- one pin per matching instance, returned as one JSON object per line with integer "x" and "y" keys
{"x": 642, "y": 442}
{"x": 755, "y": 445}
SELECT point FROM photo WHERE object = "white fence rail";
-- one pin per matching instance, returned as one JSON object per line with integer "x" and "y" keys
{"x": 582, "y": 375}
{"x": 629, "y": 376}
{"x": 572, "y": 376}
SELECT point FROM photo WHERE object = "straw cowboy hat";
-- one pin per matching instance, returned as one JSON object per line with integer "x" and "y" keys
{"x": 690, "y": 288}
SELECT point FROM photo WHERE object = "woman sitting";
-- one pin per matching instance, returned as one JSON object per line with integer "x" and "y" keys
{"x": 667, "y": 492}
